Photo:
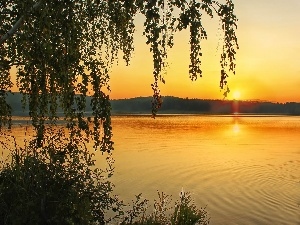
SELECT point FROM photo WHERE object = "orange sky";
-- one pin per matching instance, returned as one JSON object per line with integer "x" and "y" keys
{"x": 268, "y": 61}
{"x": 268, "y": 65}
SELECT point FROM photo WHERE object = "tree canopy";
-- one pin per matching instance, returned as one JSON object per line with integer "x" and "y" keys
{"x": 63, "y": 51}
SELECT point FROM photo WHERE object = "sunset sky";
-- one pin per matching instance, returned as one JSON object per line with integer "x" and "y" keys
{"x": 268, "y": 61}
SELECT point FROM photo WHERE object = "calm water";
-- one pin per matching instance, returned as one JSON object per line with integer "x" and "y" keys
{"x": 245, "y": 170}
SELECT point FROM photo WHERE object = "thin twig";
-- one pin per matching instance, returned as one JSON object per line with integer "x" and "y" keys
{"x": 17, "y": 25}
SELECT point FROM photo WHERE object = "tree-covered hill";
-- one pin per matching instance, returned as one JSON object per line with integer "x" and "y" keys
{"x": 175, "y": 105}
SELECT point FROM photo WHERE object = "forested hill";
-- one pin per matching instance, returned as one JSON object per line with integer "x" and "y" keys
{"x": 175, "y": 105}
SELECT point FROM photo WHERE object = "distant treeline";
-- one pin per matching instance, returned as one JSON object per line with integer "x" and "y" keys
{"x": 204, "y": 106}
{"x": 175, "y": 105}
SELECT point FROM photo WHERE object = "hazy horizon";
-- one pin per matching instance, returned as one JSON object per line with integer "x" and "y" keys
{"x": 212, "y": 99}
{"x": 208, "y": 99}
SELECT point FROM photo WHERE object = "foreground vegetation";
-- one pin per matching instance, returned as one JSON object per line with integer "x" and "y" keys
{"x": 55, "y": 184}
{"x": 58, "y": 184}
{"x": 62, "y": 52}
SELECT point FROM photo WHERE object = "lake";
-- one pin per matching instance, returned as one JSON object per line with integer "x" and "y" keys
{"x": 244, "y": 169}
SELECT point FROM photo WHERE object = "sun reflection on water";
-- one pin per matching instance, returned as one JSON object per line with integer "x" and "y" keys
{"x": 236, "y": 128}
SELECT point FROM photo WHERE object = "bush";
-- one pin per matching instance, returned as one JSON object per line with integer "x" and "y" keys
{"x": 54, "y": 185}
{"x": 184, "y": 212}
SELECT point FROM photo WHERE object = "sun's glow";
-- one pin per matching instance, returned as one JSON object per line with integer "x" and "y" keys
{"x": 236, "y": 128}
{"x": 236, "y": 95}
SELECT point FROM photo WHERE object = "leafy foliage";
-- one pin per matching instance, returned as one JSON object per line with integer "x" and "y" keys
{"x": 183, "y": 213}
{"x": 186, "y": 212}
{"x": 63, "y": 51}
{"x": 5, "y": 113}
{"x": 56, "y": 184}
{"x": 63, "y": 48}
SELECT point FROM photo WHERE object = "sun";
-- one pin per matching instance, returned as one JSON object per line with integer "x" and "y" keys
{"x": 236, "y": 95}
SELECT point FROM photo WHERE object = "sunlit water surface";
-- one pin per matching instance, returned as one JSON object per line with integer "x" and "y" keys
{"x": 243, "y": 169}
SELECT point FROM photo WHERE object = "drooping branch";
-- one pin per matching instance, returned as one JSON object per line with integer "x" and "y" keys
{"x": 17, "y": 25}
{"x": 66, "y": 52}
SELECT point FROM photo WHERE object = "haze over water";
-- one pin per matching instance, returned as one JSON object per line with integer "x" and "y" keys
{"x": 245, "y": 169}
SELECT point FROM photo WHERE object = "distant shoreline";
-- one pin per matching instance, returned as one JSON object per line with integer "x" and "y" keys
{"x": 61, "y": 118}
{"x": 25, "y": 120}
{"x": 179, "y": 106}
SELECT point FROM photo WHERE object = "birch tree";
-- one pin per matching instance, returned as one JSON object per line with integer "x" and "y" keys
{"x": 64, "y": 49}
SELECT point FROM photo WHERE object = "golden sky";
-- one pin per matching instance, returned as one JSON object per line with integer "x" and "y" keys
{"x": 268, "y": 61}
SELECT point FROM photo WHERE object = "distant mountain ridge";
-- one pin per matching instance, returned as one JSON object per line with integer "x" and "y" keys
{"x": 176, "y": 105}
